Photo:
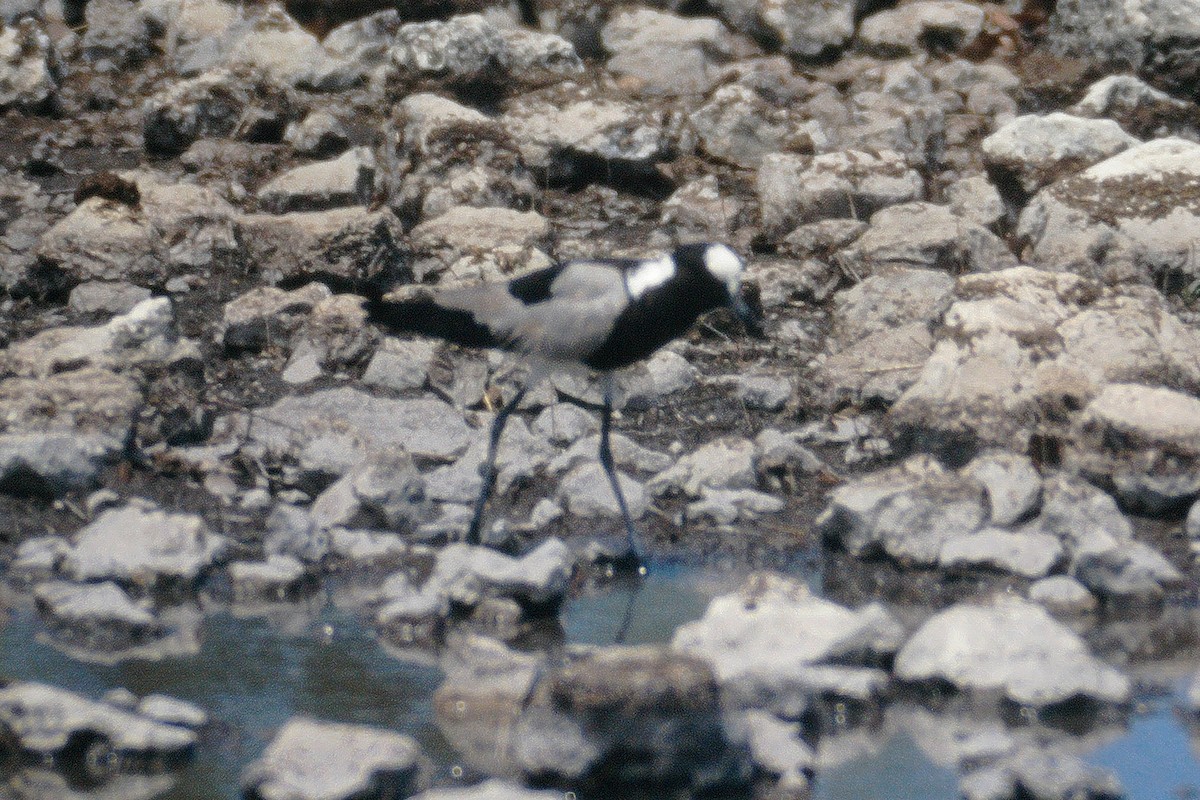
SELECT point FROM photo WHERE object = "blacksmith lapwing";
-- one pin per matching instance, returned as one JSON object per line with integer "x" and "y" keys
{"x": 599, "y": 314}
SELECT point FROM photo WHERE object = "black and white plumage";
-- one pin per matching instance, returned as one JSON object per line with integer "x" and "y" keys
{"x": 602, "y": 314}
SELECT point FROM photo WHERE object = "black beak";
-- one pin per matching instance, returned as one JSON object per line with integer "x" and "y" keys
{"x": 746, "y": 306}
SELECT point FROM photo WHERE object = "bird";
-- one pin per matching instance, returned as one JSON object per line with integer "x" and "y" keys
{"x": 598, "y": 314}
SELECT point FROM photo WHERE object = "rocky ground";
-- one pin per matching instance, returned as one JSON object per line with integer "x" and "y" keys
{"x": 973, "y": 229}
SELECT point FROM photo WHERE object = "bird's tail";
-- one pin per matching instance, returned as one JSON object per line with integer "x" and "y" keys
{"x": 425, "y": 316}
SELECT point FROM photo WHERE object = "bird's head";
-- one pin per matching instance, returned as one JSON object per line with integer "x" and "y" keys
{"x": 725, "y": 268}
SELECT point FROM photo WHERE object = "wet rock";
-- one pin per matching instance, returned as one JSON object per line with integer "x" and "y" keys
{"x": 1038, "y": 150}
{"x": 773, "y": 645}
{"x": 726, "y": 506}
{"x": 310, "y": 759}
{"x": 726, "y": 463}
{"x": 344, "y": 242}
{"x": 103, "y": 297}
{"x": 116, "y": 32}
{"x": 764, "y": 392}
{"x": 1011, "y": 648}
{"x": 320, "y": 134}
{"x": 796, "y": 189}
{"x": 347, "y": 180}
{"x": 939, "y": 25}
{"x": 218, "y": 103}
{"x": 661, "y": 54}
{"x": 1041, "y": 774}
{"x": 1012, "y": 483}
{"x": 1145, "y": 440}
{"x": 494, "y": 789}
{"x": 807, "y": 29}
{"x": 408, "y": 617}
{"x": 172, "y": 711}
{"x": 926, "y": 236}
{"x": 92, "y": 419}
{"x": 585, "y": 492}
{"x": 266, "y": 316}
{"x": 909, "y": 512}
{"x": 1030, "y": 554}
{"x": 628, "y": 716}
{"x": 28, "y": 66}
{"x": 975, "y": 199}
{"x": 45, "y": 719}
{"x": 464, "y": 575}
{"x": 1127, "y": 218}
{"x": 277, "y": 578}
{"x": 479, "y": 243}
{"x": 888, "y": 300}
{"x": 1062, "y": 595}
{"x": 444, "y": 154}
{"x": 292, "y": 531}
{"x": 1157, "y": 38}
{"x": 384, "y": 491}
{"x": 96, "y": 616}
{"x": 144, "y": 338}
{"x": 143, "y": 546}
{"x": 777, "y": 749}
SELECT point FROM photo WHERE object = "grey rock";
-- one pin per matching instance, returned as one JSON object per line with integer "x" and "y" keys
{"x": 1012, "y": 482}
{"x": 626, "y": 453}
{"x": 519, "y": 457}
{"x": 409, "y": 617}
{"x": 739, "y": 126}
{"x": 558, "y": 134}
{"x": 384, "y": 491}
{"x": 460, "y": 50}
{"x": 23, "y": 208}
{"x": 1138, "y": 107}
{"x": 194, "y": 34}
{"x": 95, "y": 297}
{"x": 471, "y": 243}
{"x": 1119, "y": 218}
{"x": 332, "y": 430}
{"x": 795, "y": 189}
{"x": 764, "y": 392}
{"x": 536, "y": 58}
{"x": 976, "y": 200}
{"x": 400, "y": 364}
{"x": 346, "y": 180}
{"x": 565, "y": 423}
{"x": 661, "y": 54}
{"x": 645, "y": 384}
{"x": 364, "y": 41}
{"x": 143, "y": 546}
{"x": 96, "y": 616}
{"x": 1041, "y": 774}
{"x": 465, "y": 574}
{"x": 585, "y": 491}
{"x": 38, "y": 558}
{"x": 493, "y": 789}
{"x": 172, "y": 711}
{"x": 773, "y": 644}
{"x": 116, "y": 32}
{"x": 1062, "y": 595}
{"x": 1192, "y": 524}
{"x": 345, "y": 242}
{"x": 726, "y": 506}
{"x": 1038, "y": 150}
{"x": 28, "y": 66}
{"x": 889, "y": 299}
{"x": 145, "y": 338}
{"x": 725, "y": 463}
{"x": 582, "y": 715}
{"x": 277, "y": 578}
{"x": 1011, "y": 648}
{"x": 43, "y": 719}
{"x": 697, "y": 211}
{"x": 314, "y": 760}
{"x": 1146, "y": 439}
{"x": 218, "y": 103}
{"x": 292, "y": 531}
{"x": 777, "y": 451}
{"x": 271, "y": 43}
{"x": 1152, "y": 36}
{"x": 1193, "y": 694}
{"x": 909, "y": 28}
{"x": 332, "y": 336}
{"x": 908, "y": 512}
{"x": 776, "y": 748}
{"x": 368, "y": 548}
{"x": 427, "y": 136}
{"x": 320, "y": 134}
{"x": 926, "y": 236}
{"x": 266, "y": 316}
{"x": 808, "y": 29}
{"x": 1086, "y": 519}
{"x": 1030, "y": 554}
{"x": 1134, "y": 573}
{"x": 880, "y": 366}
{"x": 93, "y": 420}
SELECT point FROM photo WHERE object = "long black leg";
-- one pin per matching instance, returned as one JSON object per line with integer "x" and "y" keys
{"x": 488, "y": 469}
{"x": 606, "y": 461}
